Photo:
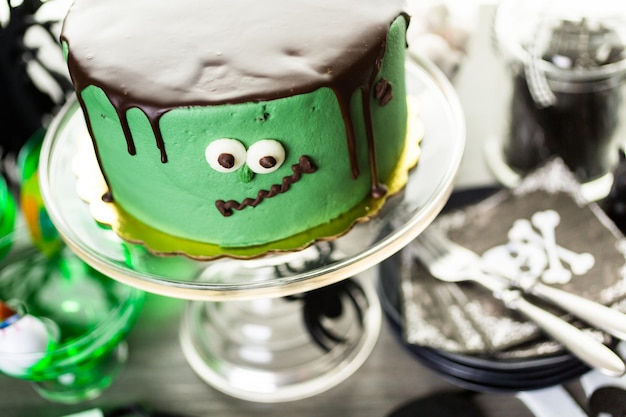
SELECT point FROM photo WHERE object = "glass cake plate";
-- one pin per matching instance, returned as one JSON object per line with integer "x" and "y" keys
{"x": 238, "y": 330}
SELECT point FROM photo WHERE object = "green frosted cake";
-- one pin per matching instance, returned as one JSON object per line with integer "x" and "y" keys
{"x": 245, "y": 122}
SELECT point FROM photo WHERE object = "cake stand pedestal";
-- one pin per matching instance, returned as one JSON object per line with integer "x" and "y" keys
{"x": 285, "y": 348}
{"x": 283, "y": 326}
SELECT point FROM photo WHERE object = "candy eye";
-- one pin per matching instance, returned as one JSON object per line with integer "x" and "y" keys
{"x": 265, "y": 156}
{"x": 225, "y": 155}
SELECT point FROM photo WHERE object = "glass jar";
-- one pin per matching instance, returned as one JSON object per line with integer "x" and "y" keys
{"x": 567, "y": 65}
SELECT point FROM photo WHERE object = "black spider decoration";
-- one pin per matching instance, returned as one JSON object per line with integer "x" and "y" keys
{"x": 30, "y": 87}
{"x": 614, "y": 205}
{"x": 326, "y": 302}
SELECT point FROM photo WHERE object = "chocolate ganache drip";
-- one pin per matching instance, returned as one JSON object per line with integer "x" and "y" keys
{"x": 199, "y": 53}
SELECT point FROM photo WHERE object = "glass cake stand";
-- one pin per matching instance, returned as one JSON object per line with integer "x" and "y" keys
{"x": 284, "y": 326}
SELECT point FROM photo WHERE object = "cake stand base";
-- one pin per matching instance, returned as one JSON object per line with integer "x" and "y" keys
{"x": 283, "y": 349}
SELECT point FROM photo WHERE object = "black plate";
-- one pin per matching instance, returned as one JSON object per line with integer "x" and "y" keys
{"x": 476, "y": 372}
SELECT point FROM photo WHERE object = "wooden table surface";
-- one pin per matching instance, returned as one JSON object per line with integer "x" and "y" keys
{"x": 158, "y": 375}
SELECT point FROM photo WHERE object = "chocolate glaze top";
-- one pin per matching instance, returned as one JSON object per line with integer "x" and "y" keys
{"x": 160, "y": 55}
{"x": 191, "y": 52}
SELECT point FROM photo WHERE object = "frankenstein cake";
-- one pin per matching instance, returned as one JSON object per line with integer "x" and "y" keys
{"x": 244, "y": 122}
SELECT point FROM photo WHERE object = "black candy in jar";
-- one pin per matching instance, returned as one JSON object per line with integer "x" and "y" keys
{"x": 565, "y": 104}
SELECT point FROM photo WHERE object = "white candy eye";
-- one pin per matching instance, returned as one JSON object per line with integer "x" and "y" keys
{"x": 265, "y": 156}
{"x": 225, "y": 155}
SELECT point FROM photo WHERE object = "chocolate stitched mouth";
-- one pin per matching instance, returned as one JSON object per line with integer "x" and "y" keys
{"x": 304, "y": 166}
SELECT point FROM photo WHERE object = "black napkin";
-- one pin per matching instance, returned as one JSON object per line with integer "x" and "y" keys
{"x": 465, "y": 318}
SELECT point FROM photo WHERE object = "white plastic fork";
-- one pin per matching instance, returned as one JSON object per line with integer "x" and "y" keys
{"x": 450, "y": 262}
